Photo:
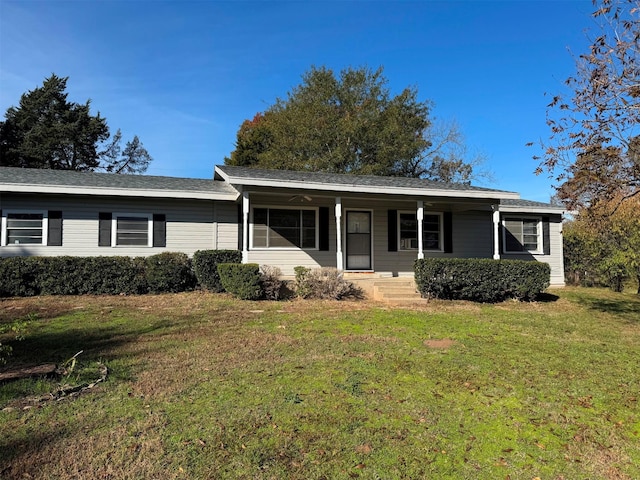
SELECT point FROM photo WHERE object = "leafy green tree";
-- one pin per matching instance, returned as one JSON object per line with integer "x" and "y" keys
{"x": 47, "y": 131}
{"x": 603, "y": 247}
{"x": 350, "y": 123}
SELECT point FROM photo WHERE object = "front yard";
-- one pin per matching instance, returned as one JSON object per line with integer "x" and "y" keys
{"x": 204, "y": 386}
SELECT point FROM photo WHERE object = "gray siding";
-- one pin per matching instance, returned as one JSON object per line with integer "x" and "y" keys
{"x": 190, "y": 224}
{"x": 227, "y": 228}
{"x": 556, "y": 257}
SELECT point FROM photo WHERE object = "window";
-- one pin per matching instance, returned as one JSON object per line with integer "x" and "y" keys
{"x": 431, "y": 231}
{"x": 133, "y": 230}
{"x": 522, "y": 235}
{"x": 24, "y": 228}
{"x": 284, "y": 228}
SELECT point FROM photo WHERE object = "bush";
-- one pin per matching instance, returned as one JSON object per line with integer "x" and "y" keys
{"x": 28, "y": 276}
{"x": 114, "y": 275}
{"x": 169, "y": 272}
{"x": 205, "y": 266}
{"x": 301, "y": 286}
{"x": 241, "y": 280}
{"x": 19, "y": 276}
{"x": 481, "y": 280}
{"x": 322, "y": 283}
{"x": 271, "y": 282}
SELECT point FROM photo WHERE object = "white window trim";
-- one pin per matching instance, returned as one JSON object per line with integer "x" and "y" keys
{"x": 285, "y": 207}
{"x": 540, "y": 249}
{"x": 440, "y": 248}
{"x": 45, "y": 228}
{"x": 114, "y": 228}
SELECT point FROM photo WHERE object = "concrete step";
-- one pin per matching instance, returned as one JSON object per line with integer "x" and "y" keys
{"x": 396, "y": 290}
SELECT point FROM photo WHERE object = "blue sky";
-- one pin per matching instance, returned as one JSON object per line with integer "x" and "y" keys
{"x": 183, "y": 75}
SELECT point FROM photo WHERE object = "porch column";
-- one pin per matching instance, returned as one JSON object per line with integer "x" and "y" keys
{"x": 245, "y": 227}
{"x": 496, "y": 231}
{"x": 420, "y": 217}
{"x": 339, "y": 264}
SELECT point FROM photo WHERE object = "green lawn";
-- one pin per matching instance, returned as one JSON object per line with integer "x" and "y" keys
{"x": 203, "y": 386}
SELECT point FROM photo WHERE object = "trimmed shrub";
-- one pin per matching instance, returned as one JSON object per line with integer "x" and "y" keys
{"x": 271, "y": 282}
{"x": 205, "y": 266}
{"x": 28, "y": 276}
{"x": 323, "y": 282}
{"x": 169, "y": 272}
{"x": 114, "y": 275}
{"x": 300, "y": 285}
{"x": 241, "y": 280}
{"x": 481, "y": 280}
{"x": 19, "y": 276}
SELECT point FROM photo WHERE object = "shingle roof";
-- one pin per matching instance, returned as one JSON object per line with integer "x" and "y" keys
{"x": 511, "y": 203}
{"x": 244, "y": 175}
{"x": 105, "y": 183}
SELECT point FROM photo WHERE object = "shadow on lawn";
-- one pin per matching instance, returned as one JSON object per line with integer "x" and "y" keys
{"x": 25, "y": 448}
{"x": 624, "y": 307}
{"x": 97, "y": 343}
{"x": 546, "y": 297}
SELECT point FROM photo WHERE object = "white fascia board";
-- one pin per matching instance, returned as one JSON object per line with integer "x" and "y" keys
{"x": 369, "y": 189}
{"x": 118, "y": 192}
{"x": 531, "y": 209}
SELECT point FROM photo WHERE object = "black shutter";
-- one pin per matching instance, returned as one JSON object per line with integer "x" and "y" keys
{"x": 159, "y": 230}
{"x": 546, "y": 237}
{"x": 54, "y": 232}
{"x": 447, "y": 228}
{"x": 240, "y": 227}
{"x": 392, "y": 230}
{"x": 104, "y": 229}
{"x": 323, "y": 224}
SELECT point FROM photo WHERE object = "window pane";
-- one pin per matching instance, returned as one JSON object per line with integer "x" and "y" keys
{"x": 308, "y": 238}
{"x": 24, "y": 228}
{"x": 530, "y": 227}
{"x": 132, "y": 231}
{"x": 358, "y": 222}
{"x": 260, "y": 230}
{"x": 430, "y": 241}
{"x": 260, "y": 236}
{"x": 260, "y": 216}
{"x": 431, "y": 232}
{"x": 309, "y": 218}
{"x": 408, "y": 231}
{"x": 521, "y": 235}
{"x": 284, "y": 228}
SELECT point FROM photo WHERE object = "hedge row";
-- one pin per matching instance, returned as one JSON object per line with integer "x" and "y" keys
{"x": 481, "y": 280}
{"x": 164, "y": 272}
